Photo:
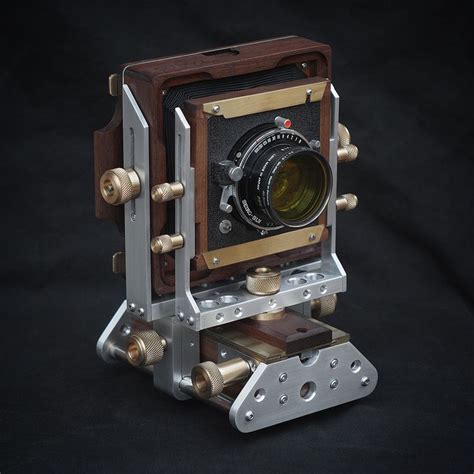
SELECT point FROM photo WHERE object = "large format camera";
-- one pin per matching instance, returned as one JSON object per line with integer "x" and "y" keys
{"x": 220, "y": 169}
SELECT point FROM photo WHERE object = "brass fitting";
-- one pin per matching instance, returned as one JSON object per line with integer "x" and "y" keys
{"x": 145, "y": 348}
{"x": 209, "y": 378}
{"x": 346, "y": 202}
{"x": 166, "y": 243}
{"x": 119, "y": 186}
{"x": 167, "y": 192}
{"x": 263, "y": 281}
{"x": 346, "y": 151}
{"x": 271, "y": 315}
{"x": 323, "y": 306}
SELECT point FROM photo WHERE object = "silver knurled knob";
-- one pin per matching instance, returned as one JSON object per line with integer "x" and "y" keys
{"x": 346, "y": 202}
{"x": 145, "y": 347}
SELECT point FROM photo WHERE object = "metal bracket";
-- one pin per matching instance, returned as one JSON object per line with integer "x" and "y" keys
{"x": 289, "y": 389}
{"x": 185, "y": 306}
{"x": 137, "y": 211}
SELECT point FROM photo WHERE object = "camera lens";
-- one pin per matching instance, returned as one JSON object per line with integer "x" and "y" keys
{"x": 285, "y": 182}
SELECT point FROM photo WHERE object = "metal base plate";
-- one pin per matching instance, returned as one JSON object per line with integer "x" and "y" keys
{"x": 288, "y": 389}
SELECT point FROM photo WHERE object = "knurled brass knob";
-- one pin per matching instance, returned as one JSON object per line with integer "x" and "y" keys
{"x": 119, "y": 186}
{"x": 263, "y": 281}
{"x": 323, "y": 306}
{"x": 145, "y": 348}
{"x": 209, "y": 378}
{"x": 346, "y": 151}
{"x": 167, "y": 192}
{"x": 346, "y": 202}
{"x": 166, "y": 243}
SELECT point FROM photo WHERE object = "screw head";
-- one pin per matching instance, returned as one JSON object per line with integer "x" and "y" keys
{"x": 283, "y": 377}
{"x": 190, "y": 320}
{"x": 216, "y": 261}
{"x": 141, "y": 311}
{"x": 304, "y": 65}
{"x": 216, "y": 109}
{"x": 249, "y": 416}
{"x": 334, "y": 363}
{"x": 225, "y": 226}
{"x": 334, "y": 383}
{"x": 312, "y": 237}
{"x": 132, "y": 307}
{"x": 283, "y": 399}
{"x": 365, "y": 381}
{"x": 223, "y": 353}
{"x": 180, "y": 315}
{"x": 309, "y": 91}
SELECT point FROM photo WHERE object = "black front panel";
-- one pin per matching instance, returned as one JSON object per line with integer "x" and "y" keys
{"x": 223, "y": 135}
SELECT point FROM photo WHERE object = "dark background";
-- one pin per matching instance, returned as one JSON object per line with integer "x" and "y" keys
{"x": 404, "y": 77}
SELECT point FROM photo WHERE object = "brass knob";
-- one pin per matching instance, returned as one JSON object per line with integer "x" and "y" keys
{"x": 346, "y": 202}
{"x": 263, "y": 281}
{"x": 145, "y": 348}
{"x": 166, "y": 243}
{"x": 346, "y": 151}
{"x": 209, "y": 378}
{"x": 167, "y": 192}
{"x": 323, "y": 306}
{"x": 118, "y": 186}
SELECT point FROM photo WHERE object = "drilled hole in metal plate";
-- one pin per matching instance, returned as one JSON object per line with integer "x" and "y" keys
{"x": 310, "y": 357}
{"x": 308, "y": 391}
{"x": 208, "y": 304}
{"x": 259, "y": 394}
{"x": 355, "y": 366}
{"x": 272, "y": 303}
{"x": 323, "y": 289}
{"x": 125, "y": 330}
{"x": 296, "y": 281}
{"x": 220, "y": 317}
{"x": 306, "y": 294}
{"x": 238, "y": 312}
{"x": 302, "y": 329}
{"x": 313, "y": 276}
{"x": 228, "y": 299}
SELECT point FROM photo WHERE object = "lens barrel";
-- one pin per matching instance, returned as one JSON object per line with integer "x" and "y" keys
{"x": 285, "y": 183}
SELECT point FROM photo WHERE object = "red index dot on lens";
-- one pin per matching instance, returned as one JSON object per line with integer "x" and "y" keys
{"x": 287, "y": 123}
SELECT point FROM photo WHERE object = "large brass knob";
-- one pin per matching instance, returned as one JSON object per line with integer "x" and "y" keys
{"x": 119, "y": 186}
{"x": 209, "y": 378}
{"x": 346, "y": 151}
{"x": 145, "y": 348}
{"x": 263, "y": 281}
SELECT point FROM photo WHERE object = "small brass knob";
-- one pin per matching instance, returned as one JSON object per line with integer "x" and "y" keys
{"x": 145, "y": 348}
{"x": 119, "y": 186}
{"x": 263, "y": 281}
{"x": 166, "y": 243}
{"x": 346, "y": 202}
{"x": 209, "y": 378}
{"x": 323, "y": 306}
{"x": 346, "y": 151}
{"x": 167, "y": 192}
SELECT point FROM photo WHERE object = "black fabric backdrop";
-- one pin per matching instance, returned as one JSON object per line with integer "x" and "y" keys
{"x": 404, "y": 78}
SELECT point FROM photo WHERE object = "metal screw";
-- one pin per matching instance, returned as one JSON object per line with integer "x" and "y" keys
{"x": 163, "y": 92}
{"x": 309, "y": 91}
{"x": 312, "y": 237}
{"x": 333, "y": 363}
{"x": 334, "y": 383}
{"x": 283, "y": 399}
{"x": 216, "y": 109}
{"x": 133, "y": 216}
{"x": 125, "y": 330}
{"x": 216, "y": 261}
{"x": 132, "y": 307}
{"x": 141, "y": 312}
{"x": 304, "y": 65}
{"x": 223, "y": 353}
{"x": 306, "y": 293}
{"x": 283, "y": 377}
{"x": 365, "y": 381}
{"x": 180, "y": 315}
{"x": 190, "y": 320}
{"x": 249, "y": 416}
{"x": 227, "y": 208}
{"x": 225, "y": 226}
{"x": 253, "y": 366}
